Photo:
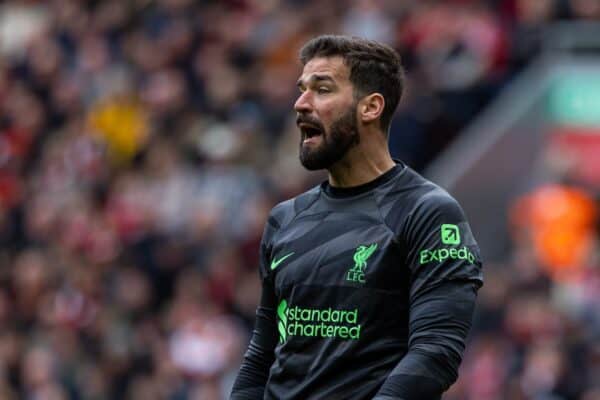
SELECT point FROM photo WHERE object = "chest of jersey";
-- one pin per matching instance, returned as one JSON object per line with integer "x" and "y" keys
{"x": 342, "y": 286}
{"x": 333, "y": 251}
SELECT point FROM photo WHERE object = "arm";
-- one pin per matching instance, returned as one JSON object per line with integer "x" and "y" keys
{"x": 445, "y": 276}
{"x": 254, "y": 372}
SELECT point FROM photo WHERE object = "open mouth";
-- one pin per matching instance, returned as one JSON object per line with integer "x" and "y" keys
{"x": 309, "y": 131}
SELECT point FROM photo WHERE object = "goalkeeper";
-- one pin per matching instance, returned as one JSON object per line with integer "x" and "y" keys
{"x": 369, "y": 280}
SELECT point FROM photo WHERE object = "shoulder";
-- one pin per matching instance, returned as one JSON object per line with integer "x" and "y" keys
{"x": 285, "y": 212}
{"x": 434, "y": 210}
{"x": 435, "y": 200}
{"x": 411, "y": 197}
{"x": 423, "y": 192}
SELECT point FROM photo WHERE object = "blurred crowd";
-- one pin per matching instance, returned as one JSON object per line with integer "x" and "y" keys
{"x": 142, "y": 145}
{"x": 537, "y": 325}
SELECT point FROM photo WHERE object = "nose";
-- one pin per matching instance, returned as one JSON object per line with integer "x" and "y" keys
{"x": 303, "y": 104}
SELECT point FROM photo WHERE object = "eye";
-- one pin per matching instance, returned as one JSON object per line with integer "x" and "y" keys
{"x": 323, "y": 89}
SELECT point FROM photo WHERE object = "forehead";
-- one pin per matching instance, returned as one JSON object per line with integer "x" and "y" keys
{"x": 333, "y": 67}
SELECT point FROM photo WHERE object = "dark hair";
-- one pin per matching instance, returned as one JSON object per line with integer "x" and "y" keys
{"x": 374, "y": 67}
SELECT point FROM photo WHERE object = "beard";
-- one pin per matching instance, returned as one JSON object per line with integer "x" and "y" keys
{"x": 342, "y": 136}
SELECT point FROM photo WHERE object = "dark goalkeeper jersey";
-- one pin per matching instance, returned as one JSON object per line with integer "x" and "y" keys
{"x": 368, "y": 292}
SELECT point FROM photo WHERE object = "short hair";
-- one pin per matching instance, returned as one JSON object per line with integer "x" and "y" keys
{"x": 374, "y": 67}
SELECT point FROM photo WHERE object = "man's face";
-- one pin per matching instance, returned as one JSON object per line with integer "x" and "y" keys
{"x": 326, "y": 112}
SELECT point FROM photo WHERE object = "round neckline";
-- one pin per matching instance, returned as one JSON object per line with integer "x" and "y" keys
{"x": 343, "y": 192}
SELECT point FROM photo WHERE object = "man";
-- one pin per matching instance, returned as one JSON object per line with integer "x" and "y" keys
{"x": 368, "y": 280}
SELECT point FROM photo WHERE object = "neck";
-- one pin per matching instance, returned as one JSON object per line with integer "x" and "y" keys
{"x": 363, "y": 163}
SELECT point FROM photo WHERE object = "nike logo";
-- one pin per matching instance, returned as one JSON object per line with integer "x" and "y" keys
{"x": 275, "y": 263}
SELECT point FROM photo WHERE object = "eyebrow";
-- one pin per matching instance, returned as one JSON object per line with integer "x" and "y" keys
{"x": 316, "y": 78}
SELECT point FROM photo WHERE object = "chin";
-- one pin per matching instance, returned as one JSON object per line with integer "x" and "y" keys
{"x": 314, "y": 159}
{"x": 312, "y": 165}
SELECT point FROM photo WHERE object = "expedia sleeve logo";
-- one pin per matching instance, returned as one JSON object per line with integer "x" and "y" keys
{"x": 440, "y": 255}
{"x": 315, "y": 322}
{"x": 449, "y": 235}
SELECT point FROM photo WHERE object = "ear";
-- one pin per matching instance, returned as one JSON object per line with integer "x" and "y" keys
{"x": 370, "y": 107}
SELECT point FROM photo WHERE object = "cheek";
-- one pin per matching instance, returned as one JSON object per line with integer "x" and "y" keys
{"x": 331, "y": 110}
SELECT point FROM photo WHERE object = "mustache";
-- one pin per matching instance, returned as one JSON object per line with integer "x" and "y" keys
{"x": 301, "y": 118}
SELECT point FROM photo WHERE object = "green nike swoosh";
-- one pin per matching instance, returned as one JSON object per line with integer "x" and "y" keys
{"x": 275, "y": 263}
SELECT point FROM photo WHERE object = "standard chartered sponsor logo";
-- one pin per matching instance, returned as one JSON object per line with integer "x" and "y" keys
{"x": 439, "y": 255}
{"x": 315, "y": 322}
{"x": 283, "y": 321}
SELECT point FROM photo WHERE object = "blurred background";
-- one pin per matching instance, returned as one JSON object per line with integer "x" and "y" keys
{"x": 143, "y": 143}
